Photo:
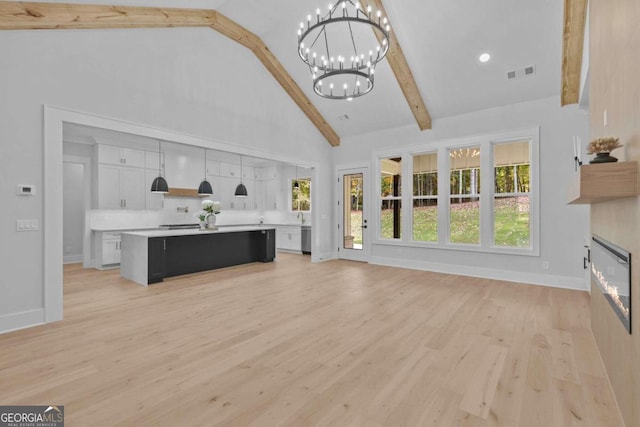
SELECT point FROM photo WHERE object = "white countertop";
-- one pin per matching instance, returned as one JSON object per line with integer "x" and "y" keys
{"x": 148, "y": 227}
{"x": 195, "y": 231}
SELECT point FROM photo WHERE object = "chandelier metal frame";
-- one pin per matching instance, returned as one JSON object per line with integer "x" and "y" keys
{"x": 360, "y": 67}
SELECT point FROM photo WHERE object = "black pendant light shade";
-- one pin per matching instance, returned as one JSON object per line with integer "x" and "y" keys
{"x": 205, "y": 189}
{"x": 296, "y": 184}
{"x": 241, "y": 190}
{"x": 159, "y": 185}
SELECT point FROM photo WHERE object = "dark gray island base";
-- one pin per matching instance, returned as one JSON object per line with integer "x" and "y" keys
{"x": 149, "y": 257}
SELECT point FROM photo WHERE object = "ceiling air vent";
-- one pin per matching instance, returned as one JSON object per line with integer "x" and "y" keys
{"x": 521, "y": 72}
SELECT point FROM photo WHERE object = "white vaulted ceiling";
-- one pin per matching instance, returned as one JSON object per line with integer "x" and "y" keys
{"x": 441, "y": 41}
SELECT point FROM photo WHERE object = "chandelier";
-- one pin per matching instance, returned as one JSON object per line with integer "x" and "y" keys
{"x": 340, "y": 50}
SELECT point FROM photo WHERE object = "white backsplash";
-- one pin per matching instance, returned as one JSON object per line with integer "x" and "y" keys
{"x": 173, "y": 213}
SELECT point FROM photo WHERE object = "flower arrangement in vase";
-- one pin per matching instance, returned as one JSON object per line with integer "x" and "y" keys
{"x": 601, "y": 147}
{"x": 210, "y": 208}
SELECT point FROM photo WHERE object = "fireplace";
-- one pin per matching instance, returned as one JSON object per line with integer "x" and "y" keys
{"x": 611, "y": 271}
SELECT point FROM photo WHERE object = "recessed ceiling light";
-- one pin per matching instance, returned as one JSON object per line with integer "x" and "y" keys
{"x": 485, "y": 57}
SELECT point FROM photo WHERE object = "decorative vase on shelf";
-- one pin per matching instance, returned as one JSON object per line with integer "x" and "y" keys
{"x": 203, "y": 225}
{"x": 603, "y": 158}
{"x": 211, "y": 221}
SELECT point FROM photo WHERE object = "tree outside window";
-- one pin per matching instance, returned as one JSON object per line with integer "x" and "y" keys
{"x": 301, "y": 194}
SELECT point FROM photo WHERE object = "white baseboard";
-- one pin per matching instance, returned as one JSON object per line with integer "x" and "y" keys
{"x": 325, "y": 256}
{"x": 22, "y": 320}
{"x": 72, "y": 259}
{"x": 564, "y": 282}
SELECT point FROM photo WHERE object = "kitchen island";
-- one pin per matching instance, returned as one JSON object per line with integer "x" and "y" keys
{"x": 150, "y": 256}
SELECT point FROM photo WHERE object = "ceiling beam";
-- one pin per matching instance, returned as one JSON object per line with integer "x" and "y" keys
{"x": 575, "y": 15}
{"x": 400, "y": 67}
{"x": 49, "y": 16}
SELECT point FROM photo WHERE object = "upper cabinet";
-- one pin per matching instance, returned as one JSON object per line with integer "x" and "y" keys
{"x": 123, "y": 180}
{"x": 121, "y": 187}
{"x": 110, "y": 155}
{"x": 230, "y": 170}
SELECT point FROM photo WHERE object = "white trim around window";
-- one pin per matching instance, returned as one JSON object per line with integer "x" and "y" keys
{"x": 487, "y": 186}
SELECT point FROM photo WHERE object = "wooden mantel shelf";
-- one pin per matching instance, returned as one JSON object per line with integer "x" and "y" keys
{"x": 605, "y": 181}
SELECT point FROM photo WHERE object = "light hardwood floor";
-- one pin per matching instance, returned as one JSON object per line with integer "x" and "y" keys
{"x": 294, "y": 343}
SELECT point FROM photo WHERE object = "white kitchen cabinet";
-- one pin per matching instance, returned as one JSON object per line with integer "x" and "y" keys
{"x": 214, "y": 180}
{"x": 121, "y": 187}
{"x": 249, "y": 202}
{"x": 289, "y": 237}
{"x": 270, "y": 194}
{"x": 153, "y": 201}
{"x": 151, "y": 160}
{"x": 108, "y": 154}
{"x": 227, "y": 193}
{"x": 108, "y": 245}
{"x": 270, "y": 172}
{"x": 248, "y": 172}
{"x": 228, "y": 190}
{"x": 229, "y": 170}
{"x": 213, "y": 167}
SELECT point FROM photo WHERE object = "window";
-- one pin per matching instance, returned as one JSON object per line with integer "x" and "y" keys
{"x": 301, "y": 194}
{"x": 390, "y": 198}
{"x": 425, "y": 197}
{"x": 511, "y": 198}
{"x": 478, "y": 194}
{"x": 464, "y": 195}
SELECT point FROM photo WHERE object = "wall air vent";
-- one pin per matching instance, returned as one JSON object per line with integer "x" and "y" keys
{"x": 521, "y": 72}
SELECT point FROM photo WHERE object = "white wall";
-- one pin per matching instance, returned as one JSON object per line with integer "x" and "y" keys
{"x": 189, "y": 81}
{"x": 73, "y": 211}
{"x": 562, "y": 227}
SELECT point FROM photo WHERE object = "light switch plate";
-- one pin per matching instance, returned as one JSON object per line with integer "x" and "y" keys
{"x": 26, "y": 225}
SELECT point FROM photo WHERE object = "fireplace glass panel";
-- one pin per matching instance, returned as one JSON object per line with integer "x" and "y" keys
{"x": 611, "y": 271}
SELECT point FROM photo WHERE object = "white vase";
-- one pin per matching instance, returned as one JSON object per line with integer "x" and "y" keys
{"x": 211, "y": 221}
{"x": 203, "y": 225}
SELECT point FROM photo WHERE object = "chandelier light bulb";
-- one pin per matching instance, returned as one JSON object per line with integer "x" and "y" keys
{"x": 349, "y": 65}
{"x": 388, "y": 28}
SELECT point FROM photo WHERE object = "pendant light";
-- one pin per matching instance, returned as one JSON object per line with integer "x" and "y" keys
{"x": 205, "y": 187}
{"x": 241, "y": 190}
{"x": 296, "y": 184}
{"x": 159, "y": 184}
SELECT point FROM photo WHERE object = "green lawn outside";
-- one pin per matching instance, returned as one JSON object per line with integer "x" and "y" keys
{"x": 511, "y": 223}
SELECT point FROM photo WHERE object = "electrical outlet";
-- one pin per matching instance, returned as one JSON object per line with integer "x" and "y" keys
{"x": 545, "y": 265}
{"x": 604, "y": 118}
